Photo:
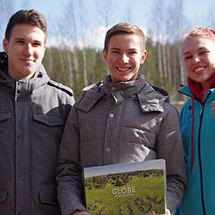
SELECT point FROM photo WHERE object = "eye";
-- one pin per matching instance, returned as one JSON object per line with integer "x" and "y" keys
{"x": 20, "y": 41}
{"x": 187, "y": 57}
{"x": 132, "y": 52}
{"x": 115, "y": 52}
{"x": 204, "y": 52}
{"x": 35, "y": 44}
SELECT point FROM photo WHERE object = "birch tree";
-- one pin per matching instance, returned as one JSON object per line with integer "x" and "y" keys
{"x": 105, "y": 11}
{"x": 157, "y": 23}
{"x": 177, "y": 25}
{"x": 68, "y": 27}
{"x": 82, "y": 28}
{"x": 6, "y": 10}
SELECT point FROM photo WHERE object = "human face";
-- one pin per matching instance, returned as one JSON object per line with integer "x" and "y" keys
{"x": 124, "y": 57}
{"x": 25, "y": 49}
{"x": 199, "y": 59}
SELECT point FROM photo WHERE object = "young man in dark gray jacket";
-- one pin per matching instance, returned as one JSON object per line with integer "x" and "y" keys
{"x": 33, "y": 111}
{"x": 122, "y": 119}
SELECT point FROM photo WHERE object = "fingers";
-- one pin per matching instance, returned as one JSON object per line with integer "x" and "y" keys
{"x": 152, "y": 213}
{"x": 213, "y": 108}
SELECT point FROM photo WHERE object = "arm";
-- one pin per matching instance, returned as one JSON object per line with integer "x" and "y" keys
{"x": 170, "y": 148}
{"x": 69, "y": 172}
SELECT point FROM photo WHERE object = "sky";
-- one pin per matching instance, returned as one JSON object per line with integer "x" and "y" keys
{"x": 198, "y": 13}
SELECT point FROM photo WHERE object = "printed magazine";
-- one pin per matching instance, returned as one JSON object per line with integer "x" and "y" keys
{"x": 126, "y": 189}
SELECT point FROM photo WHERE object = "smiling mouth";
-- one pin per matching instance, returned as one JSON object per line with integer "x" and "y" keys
{"x": 199, "y": 70}
{"x": 26, "y": 59}
{"x": 123, "y": 69}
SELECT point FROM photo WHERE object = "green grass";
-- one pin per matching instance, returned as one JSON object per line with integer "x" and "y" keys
{"x": 149, "y": 186}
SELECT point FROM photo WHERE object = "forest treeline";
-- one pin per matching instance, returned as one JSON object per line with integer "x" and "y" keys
{"x": 79, "y": 66}
{"x": 82, "y": 67}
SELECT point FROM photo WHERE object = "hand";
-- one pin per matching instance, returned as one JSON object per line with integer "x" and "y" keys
{"x": 81, "y": 213}
{"x": 153, "y": 213}
{"x": 168, "y": 212}
{"x": 213, "y": 108}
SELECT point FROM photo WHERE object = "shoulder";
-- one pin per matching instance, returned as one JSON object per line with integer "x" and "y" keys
{"x": 93, "y": 87}
{"x": 162, "y": 93}
{"x": 90, "y": 95}
{"x": 61, "y": 87}
{"x": 153, "y": 98}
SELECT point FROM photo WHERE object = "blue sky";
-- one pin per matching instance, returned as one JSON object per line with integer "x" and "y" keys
{"x": 198, "y": 12}
{"x": 195, "y": 10}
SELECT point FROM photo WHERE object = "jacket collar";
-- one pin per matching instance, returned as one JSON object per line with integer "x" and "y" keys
{"x": 150, "y": 98}
{"x": 121, "y": 90}
{"x": 187, "y": 91}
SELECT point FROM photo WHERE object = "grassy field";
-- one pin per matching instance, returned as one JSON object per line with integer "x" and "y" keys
{"x": 148, "y": 192}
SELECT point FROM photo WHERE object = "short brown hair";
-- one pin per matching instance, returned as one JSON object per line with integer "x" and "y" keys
{"x": 31, "y": 17}
{"x": 125, "y": 28}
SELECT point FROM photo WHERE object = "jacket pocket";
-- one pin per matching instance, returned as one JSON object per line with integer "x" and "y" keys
{"x": 48, "y": 120}
{"x": 3, "y": 196}
{"x": 5, "y": 116}
{"x": 48, "y": 197}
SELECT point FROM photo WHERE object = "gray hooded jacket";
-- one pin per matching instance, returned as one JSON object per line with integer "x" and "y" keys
{"x": 119, "y": 123}
{"x": 32, "y": 117}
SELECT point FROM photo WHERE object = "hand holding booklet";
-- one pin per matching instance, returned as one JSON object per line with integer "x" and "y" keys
{"x": 126, "y": 189}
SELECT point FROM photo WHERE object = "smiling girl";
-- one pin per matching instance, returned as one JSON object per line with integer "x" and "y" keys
{"x": 197, "y": 122}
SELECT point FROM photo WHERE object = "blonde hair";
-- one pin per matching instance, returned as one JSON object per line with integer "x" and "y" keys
{"x": 197, "y": 32}
{"x": 201, "y": 32}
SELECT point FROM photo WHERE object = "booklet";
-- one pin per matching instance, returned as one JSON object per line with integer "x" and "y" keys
{"x": 129, "y": 188}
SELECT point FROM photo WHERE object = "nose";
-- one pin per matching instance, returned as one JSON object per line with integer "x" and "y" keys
{"x": 196, "y": 59}
{"x": 28, "y": 49}
{"x": 125, "y": 58}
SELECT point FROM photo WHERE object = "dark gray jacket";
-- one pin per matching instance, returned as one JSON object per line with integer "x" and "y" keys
{"x": 32, "y": 117}
{"x": 119, "y": 123}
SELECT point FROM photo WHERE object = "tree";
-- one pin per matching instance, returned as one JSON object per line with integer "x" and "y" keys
{"x": 105, "y": 10}
{"x": 6, "y": 10}
{"x": 177, "y": 23}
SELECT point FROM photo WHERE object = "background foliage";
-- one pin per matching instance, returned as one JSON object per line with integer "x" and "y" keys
{"x": 78, "y": 65}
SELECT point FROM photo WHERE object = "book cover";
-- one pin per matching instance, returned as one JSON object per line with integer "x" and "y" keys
{"x": 126, "y": 189}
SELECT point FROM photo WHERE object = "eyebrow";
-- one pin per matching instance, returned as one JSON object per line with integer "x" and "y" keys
{"x": 23, "y": 39}
{"x": 19, "y": 38}
{"x": 132, "y": 49}
{"x": 197, "y": 50}
{"x": 114, "y": 48}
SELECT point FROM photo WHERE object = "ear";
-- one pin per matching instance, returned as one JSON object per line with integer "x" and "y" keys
{"x": 5, "y": 45}
{"x": 143, "y": 57}
{"x": 44, "y": 48}
{"x": 105, "y": 56}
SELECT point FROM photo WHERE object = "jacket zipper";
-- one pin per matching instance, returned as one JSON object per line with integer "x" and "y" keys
{"x": 200, "y": 163}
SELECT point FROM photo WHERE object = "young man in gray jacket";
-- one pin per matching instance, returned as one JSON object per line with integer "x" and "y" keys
{"x": 33, "y": 111}
{"x": 122, "y": 119}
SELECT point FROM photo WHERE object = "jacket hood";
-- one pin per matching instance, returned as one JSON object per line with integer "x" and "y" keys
{"x": 3, "y": 60}
{"x": 150, "y": 98}
{"x": 194, "y": 89}
{"x": 40, "y": 78}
